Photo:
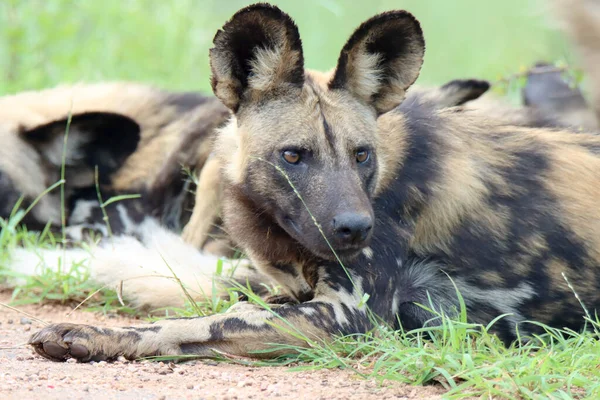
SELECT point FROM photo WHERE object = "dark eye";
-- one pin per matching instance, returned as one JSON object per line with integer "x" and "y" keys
{"x": 291, "y": 156}
{"x": 362, "y": 156}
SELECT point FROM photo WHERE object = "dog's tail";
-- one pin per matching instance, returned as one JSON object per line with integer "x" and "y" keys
{"x": 155, "y": 269}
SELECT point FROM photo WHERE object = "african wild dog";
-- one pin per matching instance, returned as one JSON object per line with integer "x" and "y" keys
{"x": 138, "y": 136}
{"x": 128, "y": 259}
{"x": 141, "y": 137}
{"x": 407, "y": 195}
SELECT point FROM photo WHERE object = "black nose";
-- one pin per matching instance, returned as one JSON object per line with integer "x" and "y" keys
{"x": 352, "y": 228}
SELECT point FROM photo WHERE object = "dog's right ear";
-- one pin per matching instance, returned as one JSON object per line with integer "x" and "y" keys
{"x": 257, "y": 53}
{"x": 460, "y": 91}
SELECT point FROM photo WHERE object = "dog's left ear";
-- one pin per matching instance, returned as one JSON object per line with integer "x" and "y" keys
{"x": 381, "y": 60}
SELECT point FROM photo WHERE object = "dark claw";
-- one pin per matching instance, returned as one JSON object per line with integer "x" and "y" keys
{"x": 55, "y": 342}
{"x": 54, "y": 350}
{"x": 79, "y": 352}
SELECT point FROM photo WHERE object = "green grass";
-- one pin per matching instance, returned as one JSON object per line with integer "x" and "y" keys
{"x": 466, "y": 359}
{"x": 469, "y": 361}
{"x": 44, "y": 43}
{"x": 47, "y": 42}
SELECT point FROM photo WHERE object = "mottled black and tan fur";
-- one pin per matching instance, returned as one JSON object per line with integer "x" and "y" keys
{"x": 408, "y": 195}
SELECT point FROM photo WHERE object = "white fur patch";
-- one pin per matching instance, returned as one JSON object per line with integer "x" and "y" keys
{"x": 366, "y": 76}
{"x": 82, "y": 211}
{"x": 34, "y": 262}
{"x": 128, "y": 223}
{"x": 507, "y": 300}
{"x": 230, "y": 137}
{"x": 75, "y": 141}
{"x": 146, "y": 267}
{"x": 340, "y": 297}
{"x": 266, "y": 66}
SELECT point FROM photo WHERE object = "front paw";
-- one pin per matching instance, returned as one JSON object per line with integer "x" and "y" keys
{"x": 59, "y": 342}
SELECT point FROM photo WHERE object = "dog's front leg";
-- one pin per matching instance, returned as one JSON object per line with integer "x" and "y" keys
{"x": 206, "y": 208}
{"x": 251, "y": 333}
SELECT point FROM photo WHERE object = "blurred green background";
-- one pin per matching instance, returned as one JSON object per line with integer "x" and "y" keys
{"x": 46, "y": 42}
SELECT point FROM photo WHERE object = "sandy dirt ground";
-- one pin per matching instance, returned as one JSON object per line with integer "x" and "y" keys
{"x": 24, "y": 375}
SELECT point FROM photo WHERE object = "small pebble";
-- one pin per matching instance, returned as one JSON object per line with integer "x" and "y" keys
{"x": 10, "y": 321}
{"x": 25, "y": 321}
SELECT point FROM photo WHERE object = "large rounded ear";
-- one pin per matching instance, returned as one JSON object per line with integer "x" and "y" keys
{"x": 256, "y": 53}
{"x": 101, "y": 139}
{"x": 381, "y": 60}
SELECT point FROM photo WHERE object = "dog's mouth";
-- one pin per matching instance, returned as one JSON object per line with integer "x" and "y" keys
{"x": 289, "y": 222}
{"x": 323, "y": 248}
{"x": 343, "y": 254}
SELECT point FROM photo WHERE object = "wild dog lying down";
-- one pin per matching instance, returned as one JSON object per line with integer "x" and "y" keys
{"x": 138, "y": 137}
{"x": 550, "y": 100}
{"x": 140, "y": 227}
{"x": 407, "y": 195}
